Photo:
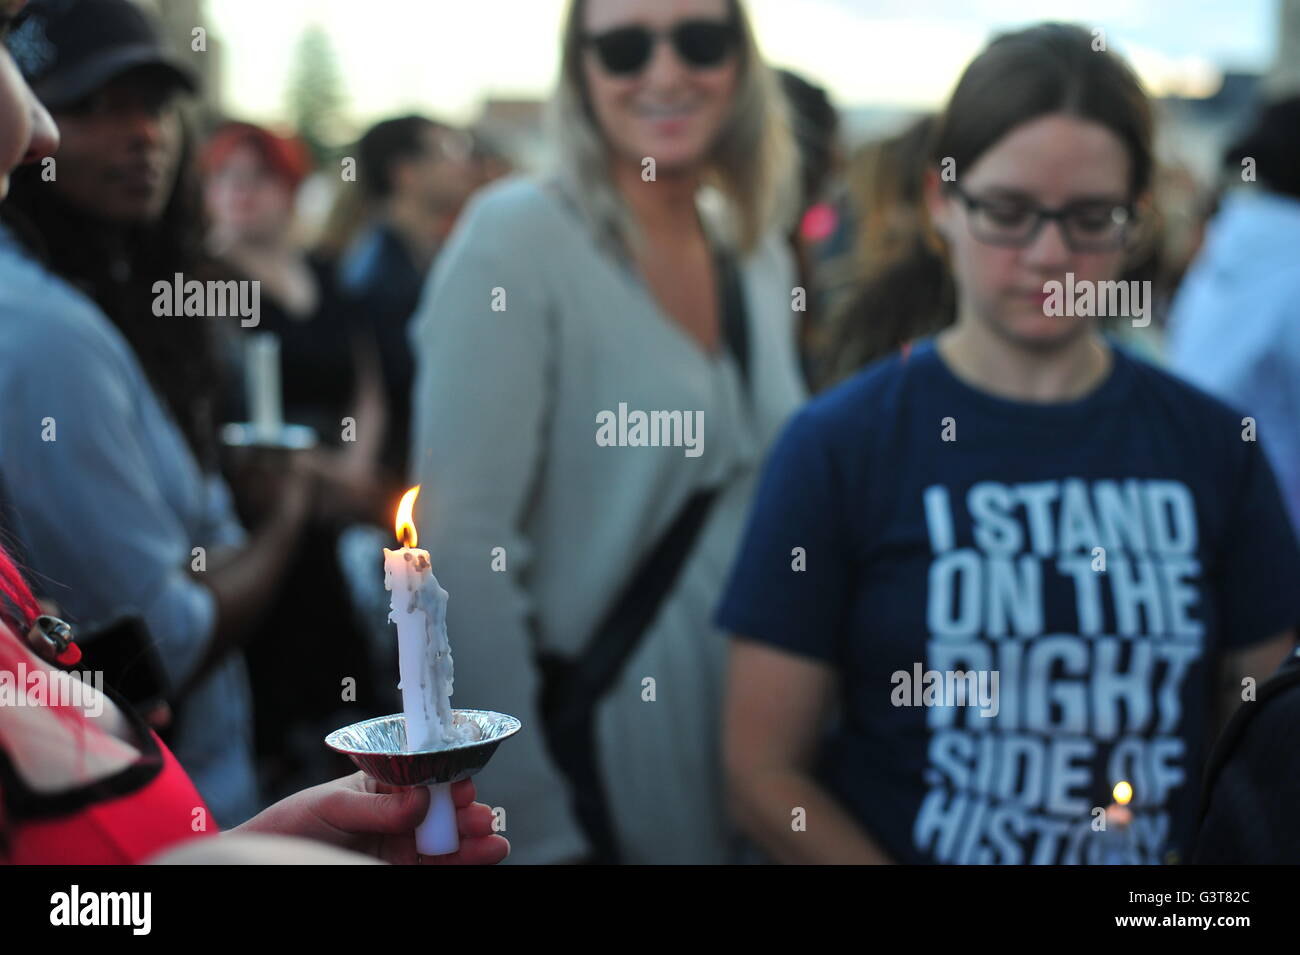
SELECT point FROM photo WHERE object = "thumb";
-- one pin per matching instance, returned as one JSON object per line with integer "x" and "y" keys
{"x": 388, "y": 813}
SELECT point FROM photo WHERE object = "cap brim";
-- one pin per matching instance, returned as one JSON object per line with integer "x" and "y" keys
{"x": 68, "y": 88}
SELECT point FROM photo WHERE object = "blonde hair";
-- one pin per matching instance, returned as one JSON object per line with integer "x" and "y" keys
{"x": 753, "y": 163}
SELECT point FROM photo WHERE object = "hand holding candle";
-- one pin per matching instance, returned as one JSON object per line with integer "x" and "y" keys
{"x": 1118, "y": 842}
{"x": 429, "y": 744}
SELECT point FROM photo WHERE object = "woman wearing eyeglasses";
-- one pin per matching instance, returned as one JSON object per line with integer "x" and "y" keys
{"x": 604, "y": 355}
{"x": 1021, "y": 565}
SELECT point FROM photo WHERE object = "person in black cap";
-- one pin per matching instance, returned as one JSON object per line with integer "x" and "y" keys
{"x": 137, "y": 488}
{"x": 94, "y": 63}
{"x": 121, "y": 208}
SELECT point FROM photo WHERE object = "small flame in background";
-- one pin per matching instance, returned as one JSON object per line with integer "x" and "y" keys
{"x": 404, "y": 526}
{"x": 1122, "y": 792}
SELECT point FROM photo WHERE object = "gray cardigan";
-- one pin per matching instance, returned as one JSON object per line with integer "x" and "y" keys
{"x": 527, "y": 332}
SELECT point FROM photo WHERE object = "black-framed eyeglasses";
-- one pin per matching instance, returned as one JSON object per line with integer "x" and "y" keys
{"x": 700, "y": 44}
{"x": 1088, "y": 225}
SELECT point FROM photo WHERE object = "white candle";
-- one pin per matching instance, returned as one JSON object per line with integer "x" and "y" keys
{"x": 262, "y": 384}
{"x": 1118, "y": 841}
{"x": 419, "y": 608}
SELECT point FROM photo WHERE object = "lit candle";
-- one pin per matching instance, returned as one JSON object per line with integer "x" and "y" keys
{"x": 1118, "y": 844}
{"x": 419, "y": 608}
{"x": 262, "y": 384}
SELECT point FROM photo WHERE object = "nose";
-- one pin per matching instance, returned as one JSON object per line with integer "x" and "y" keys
{"x": 143, "y": 123}
{"x": 45, "y": 135}
{"x": 666, "y": 68}
{"x": 1049, "y": 248}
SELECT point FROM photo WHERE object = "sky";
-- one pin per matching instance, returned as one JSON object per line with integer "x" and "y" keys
{"x": 445, "y": 56}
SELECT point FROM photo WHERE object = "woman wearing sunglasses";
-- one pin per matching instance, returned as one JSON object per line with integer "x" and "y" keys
{"x": 1025, "y": 565}
{"x": 604, "y": 355}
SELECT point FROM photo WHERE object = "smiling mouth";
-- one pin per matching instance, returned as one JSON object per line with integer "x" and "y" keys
{"x": 665, "y": 112}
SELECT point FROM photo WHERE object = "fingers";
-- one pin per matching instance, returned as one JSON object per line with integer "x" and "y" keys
{"x": 367, "y": 805}
{"x": 463, "y": 793}
{"x": 486, "y": 851}
{"x": 475, "y": 820}
{"x": 159, "y": 717}
{"x": 388, "y": 813}
{"x": 368, "y": 784}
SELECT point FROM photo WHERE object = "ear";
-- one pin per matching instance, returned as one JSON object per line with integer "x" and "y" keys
{"x": 938, "y": 203}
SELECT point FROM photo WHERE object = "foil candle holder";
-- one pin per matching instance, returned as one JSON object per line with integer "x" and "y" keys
{"x": 378, "y": 748}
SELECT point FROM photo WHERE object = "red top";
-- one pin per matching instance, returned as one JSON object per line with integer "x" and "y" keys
{"x": 121, "y": 819}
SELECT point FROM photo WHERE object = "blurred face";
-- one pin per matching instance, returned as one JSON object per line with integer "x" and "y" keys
{"x": 1051, "y": 162}
{"x": 673, "y": 105}
{"x": 441, "y": 177}
{"x": 246, "y": 199}
{"x": 121, "y": 150}
{"x": 27, "y": 133}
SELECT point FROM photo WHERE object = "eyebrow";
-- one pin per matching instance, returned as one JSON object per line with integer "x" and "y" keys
{"x": 1010, "y": 192}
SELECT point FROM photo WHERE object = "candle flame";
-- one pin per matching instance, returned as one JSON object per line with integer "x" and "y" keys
{"x": 404, "y": 526}
{"x": 1122, "y": 792}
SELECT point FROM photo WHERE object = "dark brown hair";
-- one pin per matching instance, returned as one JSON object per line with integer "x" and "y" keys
{"x": 1018, "y": 77}
{"x": 1048, "y": 68}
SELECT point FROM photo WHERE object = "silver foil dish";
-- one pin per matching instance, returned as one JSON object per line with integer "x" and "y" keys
{"x": 378, "y": 748}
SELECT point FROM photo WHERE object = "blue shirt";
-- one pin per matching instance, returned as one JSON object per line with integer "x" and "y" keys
{"x": 1093, "y": 555}
{"x": 107, "y": 503}
{"x": 1235, "y": 324}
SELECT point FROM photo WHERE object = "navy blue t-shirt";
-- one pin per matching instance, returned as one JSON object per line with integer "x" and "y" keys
{"x": 1093, "y": 557}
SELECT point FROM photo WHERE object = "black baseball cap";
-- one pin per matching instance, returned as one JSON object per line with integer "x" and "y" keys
{"x": 67, "y": 49}
{"x": 1273, "y": 141}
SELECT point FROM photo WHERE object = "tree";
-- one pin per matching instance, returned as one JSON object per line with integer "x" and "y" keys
{"x": 315, "y": 94}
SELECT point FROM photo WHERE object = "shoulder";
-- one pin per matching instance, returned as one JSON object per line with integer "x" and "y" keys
{"x": 1205, "y": 431}
{"x": 516, "y": 228}
{"x": 520, "y": 207}
{"x": 844, "y": 421}
{"x": 851, "y": 404}
{"x": 1167, "y": 392}
{"x": 46, "y": 323}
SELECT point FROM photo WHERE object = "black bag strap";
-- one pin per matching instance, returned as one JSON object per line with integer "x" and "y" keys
{"x": 735, "y": 317}
{"x": 571, "y": 688}
{"x": 630, "y": 617}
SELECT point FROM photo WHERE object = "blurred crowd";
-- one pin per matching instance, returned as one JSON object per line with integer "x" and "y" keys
{"x": 455, "y": 323}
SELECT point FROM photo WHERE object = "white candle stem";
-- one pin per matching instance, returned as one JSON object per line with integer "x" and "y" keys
{"x": 438, "y": 835}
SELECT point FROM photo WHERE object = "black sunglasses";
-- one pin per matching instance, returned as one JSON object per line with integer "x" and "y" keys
{"x": 699, "y": 44}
